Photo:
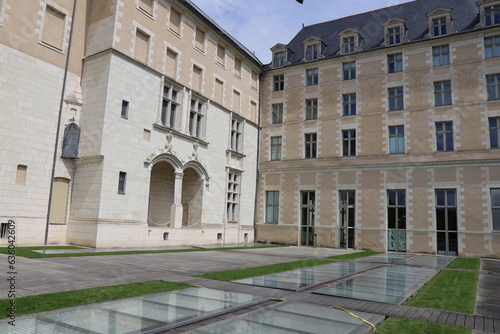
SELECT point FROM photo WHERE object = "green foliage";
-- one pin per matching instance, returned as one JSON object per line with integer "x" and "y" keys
{"x": 352, "y": 256}
{"x": 449, "y": 290}
{"x": 411, "y": 326}
{"x": 236, "y": 274}
{"x": 59, "y": 300}
{"x": 465, "y": 263}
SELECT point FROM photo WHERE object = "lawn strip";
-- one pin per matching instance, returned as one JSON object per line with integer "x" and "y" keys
{"x": 64, "y": 299}
{"x": 28, "y": 251}
{"x": 464, "y": 263}
{"x": 450, "y": 291}
{"x": 231, "y": 275}
{"x": 410, "y": 326}
{"x": 352, "y": 256}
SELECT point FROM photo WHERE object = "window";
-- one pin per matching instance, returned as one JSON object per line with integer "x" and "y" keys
{"x": 312, "y": 52}
{"x": 53, "y": 28}
{"x": 397, "y": 139}
{"x": 124, "y": 113}
{"x": 311, "y": 109}
{"x": 237, "y": 67}
{"x": 279, "y": 82}
{"x": 495, "y": 208}
{"x": 221, "y": 55}
{"x": 277, "y": 113}
{"x": 254, "y": 79}
{"x": 170, "y": 107}
{"x": 446, "y": 221}
{"x": 349, "y": 70}
{"x": 233, "y": 196}
{"x": 395, "y": 63}
{"x": 396, "y": 220}
{"x": 171, "y": 65}
{"x": 146, "y": 136}
{"x": 349, "y": 104}
{"x": 441, "y": 55}
{"x": 349, "y": 143}
{"x": 122, "y": 180}
{"x": 4, "y": 228}
{"x": 175, "y": 21}
{"x": 146, "y": 5}
{"x": 312, "y": 77}
{"x": 272, "y": 207}
{"x": 492, "y": 15}
{"x": 439, "y": 27}
{"x": 200, "y": 39}
{"x": 393, "y": 36}
{"x": 276, "y": 148}
{"x": 236, "y": 135}
{"x": 442, "y": 93}
{"x": 396, "y": 98}
{"x": 493, "y": 86}
{"x": 197, "y": 78}
{"x": 444, "y": 136}
{"x": 494, "y": 125}
{"x": 141, "y": 46}
{"x": 196, "y": 117}
{"x": 349, "y": 45}
{"x": 492, "y": 47}
{"x": 59, "y": 203}
{"x": 22, "y": 171}
{"x": 310, "y": 145}
{"x": 236, "y": 101}
{"x": 279, "y": 59}
{"x": 219, "y": 91}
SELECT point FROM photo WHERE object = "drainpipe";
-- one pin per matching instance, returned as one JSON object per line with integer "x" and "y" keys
{"x": 256, "y": 206}
{"x": 61, "y": 104}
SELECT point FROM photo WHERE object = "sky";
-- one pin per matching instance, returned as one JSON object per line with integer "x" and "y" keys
{"x": 261, "y": 24}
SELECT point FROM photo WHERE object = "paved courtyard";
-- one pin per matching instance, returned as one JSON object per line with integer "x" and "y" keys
{"x": 36, "y": 276}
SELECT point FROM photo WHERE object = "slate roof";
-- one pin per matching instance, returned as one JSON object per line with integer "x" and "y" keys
{"x": 464, "y": 15}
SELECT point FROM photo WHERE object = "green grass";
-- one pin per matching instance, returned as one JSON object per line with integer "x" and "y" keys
{"x": 27, "y": 251}
{"x": 231, "y": 275}
{"x": 58, "y": 300}
{"x": 411, "y": 326}
{"x": 465, "y": 263}
{"x": 353, "y": 255}
{"x": 450, "y": 291}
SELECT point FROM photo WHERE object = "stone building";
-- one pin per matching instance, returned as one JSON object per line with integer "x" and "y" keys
{"x": 158, "y": 140}
{"x": 380, "y": 131}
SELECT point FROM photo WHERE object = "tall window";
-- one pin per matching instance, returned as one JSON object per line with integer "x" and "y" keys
{"x": 171, "y": 66}
{"x": 444, "y": 136}
{"x": 492, "y": 15}
{"x": 196, "y": 118}
{"x": 439, "y": 27}
{"x": 349, "y": 104}
{"x": 395, "y": 63}
{"x": 236, "y": 135}
{"x": 441, "y": 55}
{"x": 312, "y": 52}
{"x": 200, "y": 39}
{"x": 442, "y": 93}
{"x": 349, "y": 45}
{"x": 492, "y": 47}
{"x": 279, "y": 59}
{"x": 310, "y": 145}
{"x": 221, "y": 55}
{"x": 170, "y": 107}
{"x": 493, "y": 86}
{"x": 146, "y": 5}
{"x": 276, "y": 148}
{"x": 278, "y": 82}
{"x": 349, "y": 143}
{"x": 494, "y": 125}
{"x": 396, "y": 99}
{"x": 122, "y": 180}
{"x": 349, "y": 70}
{"x": 312, "y": 77}
{"x": 495, "y": 208}
{"x": 446, "y": 221}
{"x": 21, "y": 174}
{"x": 124, "y": 112}
{"x": 311, "y": 109}
{"x": 277, "y": 113}
{"x": 237, "y": 67}
{"x": 197, "y": 78}
{"x": 393, "y": 36}
{"x": 397, "y": 139}
{"x": 272, "y": 207}
{"x": 53, "y": 28}
{"x": 396, "y": 220}
{"x": 175, "y": 21}
{"x": 233, "y": 196}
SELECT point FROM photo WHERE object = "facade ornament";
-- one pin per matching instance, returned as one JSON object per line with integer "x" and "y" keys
{"x": 168, "y": 144}
{"x": 194, "y": 155}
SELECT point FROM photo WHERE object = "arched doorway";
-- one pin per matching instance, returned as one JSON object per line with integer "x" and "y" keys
{"x": 161, "y": 194}
{"x": 192, "y": 197}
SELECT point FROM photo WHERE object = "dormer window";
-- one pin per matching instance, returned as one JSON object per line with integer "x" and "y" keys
{"x": 312, "y": 48}
{"x": 349, "y": 41}
{"x": 439, "y": 22}
{"x": 280, "y": 54}
{"x": 490, "y": 12}
{"x": 395, "y": 32}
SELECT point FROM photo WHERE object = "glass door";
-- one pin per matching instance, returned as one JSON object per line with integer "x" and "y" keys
{"x": 446, "y": 221}
{"x": 307, "y": 218}
{"x": 396, "y": 220}
{"x": 347, "y": 224}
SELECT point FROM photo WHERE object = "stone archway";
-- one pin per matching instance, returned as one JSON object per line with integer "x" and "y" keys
{"x": 192, "y": 197}
{"x": 161, "y": 194}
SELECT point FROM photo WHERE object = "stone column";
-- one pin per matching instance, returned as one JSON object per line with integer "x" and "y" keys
{"x": 177, "y": 206}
